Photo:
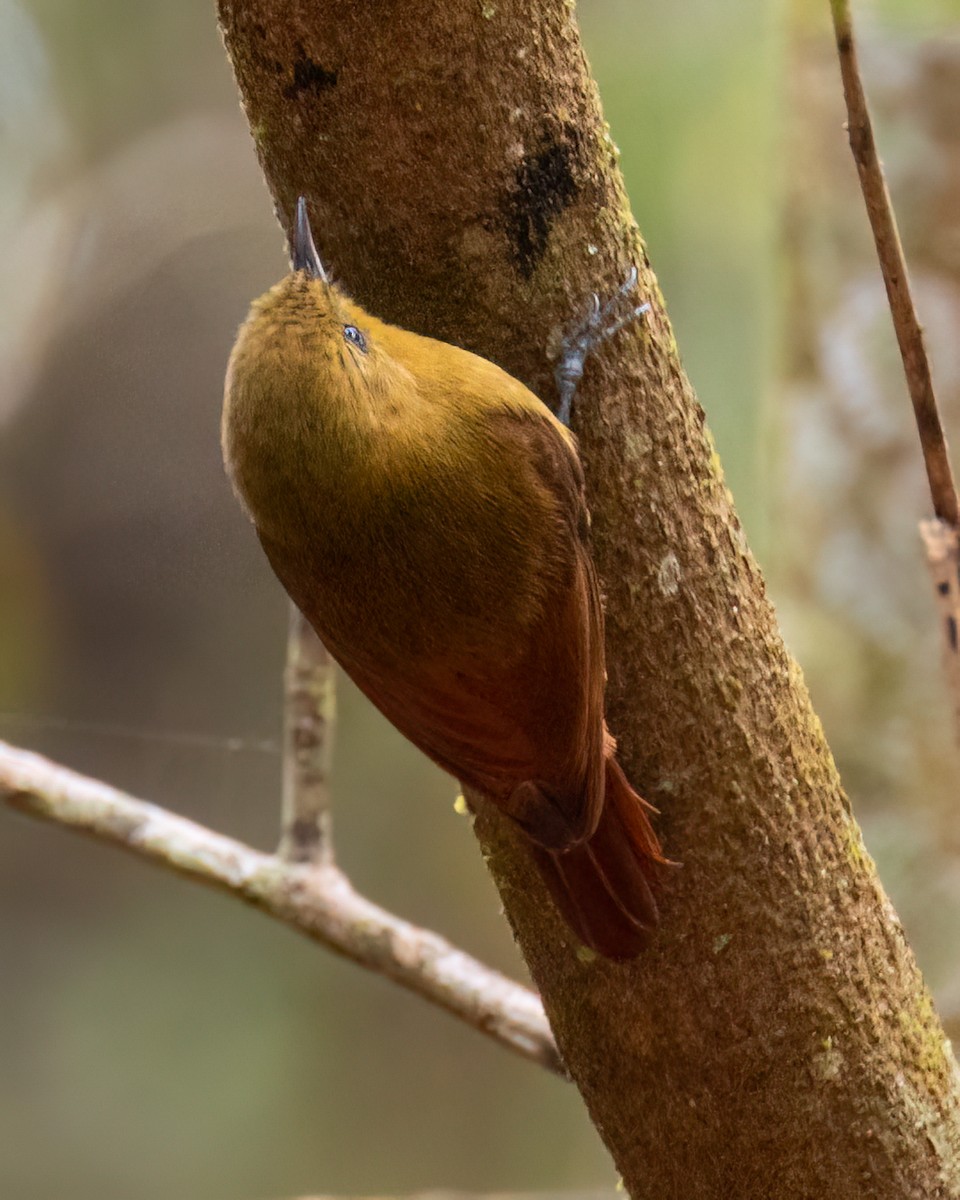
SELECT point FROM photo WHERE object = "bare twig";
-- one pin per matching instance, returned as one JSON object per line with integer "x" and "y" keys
{"x": 893, "y": 267}
{"x": 941, "y": 537}
{"x": 307, "y": 834}
{"x": 316, "y": 900}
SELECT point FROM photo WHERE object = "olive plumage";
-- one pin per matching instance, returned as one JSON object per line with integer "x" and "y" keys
{"x": 426, "y": 513}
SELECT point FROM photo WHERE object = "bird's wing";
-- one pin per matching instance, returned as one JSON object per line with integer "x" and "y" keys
{"x": 527, "y": 707}
{"x": 498, "y": 724}
{"x": 535, "y": 714}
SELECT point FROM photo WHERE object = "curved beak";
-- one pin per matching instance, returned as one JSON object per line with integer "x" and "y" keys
{"x": 304, "y": 252}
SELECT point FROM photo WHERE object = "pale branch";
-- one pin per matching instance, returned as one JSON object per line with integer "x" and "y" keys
{"x": 893, "y": 267}
{"x": 316, "y": 900}
{"x": 309, "y": 709}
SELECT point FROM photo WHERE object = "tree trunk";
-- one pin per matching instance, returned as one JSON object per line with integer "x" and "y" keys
{"x": 776, "y": 1040}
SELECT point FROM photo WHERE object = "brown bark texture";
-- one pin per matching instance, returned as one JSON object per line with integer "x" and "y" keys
{"x": 776, "y": 1040}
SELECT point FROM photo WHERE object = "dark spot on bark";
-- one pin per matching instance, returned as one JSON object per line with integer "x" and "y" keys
{"x": 309, "y": 76}
{"x": 844, "y": 43}
{"x": 543, "y": 187}
{"x": 943, "y": 588}
{"x": 952, "y": 633}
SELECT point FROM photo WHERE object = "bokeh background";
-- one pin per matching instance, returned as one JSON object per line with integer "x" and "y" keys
{"x": 158, "y": 1041}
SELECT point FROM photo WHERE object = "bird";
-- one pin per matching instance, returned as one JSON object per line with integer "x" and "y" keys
{"x": 427, "y": 514}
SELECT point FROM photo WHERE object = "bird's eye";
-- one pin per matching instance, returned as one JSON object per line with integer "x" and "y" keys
{"x": 353, "y": 334}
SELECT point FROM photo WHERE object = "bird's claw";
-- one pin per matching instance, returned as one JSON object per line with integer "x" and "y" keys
{"x": 596, "y": 328}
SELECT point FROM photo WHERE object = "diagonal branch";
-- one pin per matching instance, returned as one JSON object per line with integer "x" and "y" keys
{"x": 316, "y": 900}
{"x": 941, "y": 537}
{"x": 893, "y": 267}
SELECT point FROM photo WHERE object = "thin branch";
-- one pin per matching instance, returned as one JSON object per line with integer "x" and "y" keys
{"x": 315, "y": 900}
{"x": 893, "y": 267}
{"x": 941, "y": 537}
{"x": 307, "y": 833}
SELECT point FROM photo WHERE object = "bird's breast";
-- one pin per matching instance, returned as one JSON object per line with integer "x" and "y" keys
{"x": 409, "y": 548}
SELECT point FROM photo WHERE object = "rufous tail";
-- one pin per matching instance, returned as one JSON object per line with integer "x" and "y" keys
{"x": 605, "y": 887}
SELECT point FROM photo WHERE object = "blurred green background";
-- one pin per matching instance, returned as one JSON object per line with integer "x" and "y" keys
{"x": 157, "y": 1041}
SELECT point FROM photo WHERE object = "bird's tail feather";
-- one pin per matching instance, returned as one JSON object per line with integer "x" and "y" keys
{"x": 605, "y": 887}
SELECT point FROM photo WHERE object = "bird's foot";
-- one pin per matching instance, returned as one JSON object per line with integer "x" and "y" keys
{"x": 601, "y": 323}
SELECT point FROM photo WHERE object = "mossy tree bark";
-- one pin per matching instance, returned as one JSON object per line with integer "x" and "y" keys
{"x": 776, "y": 1040}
